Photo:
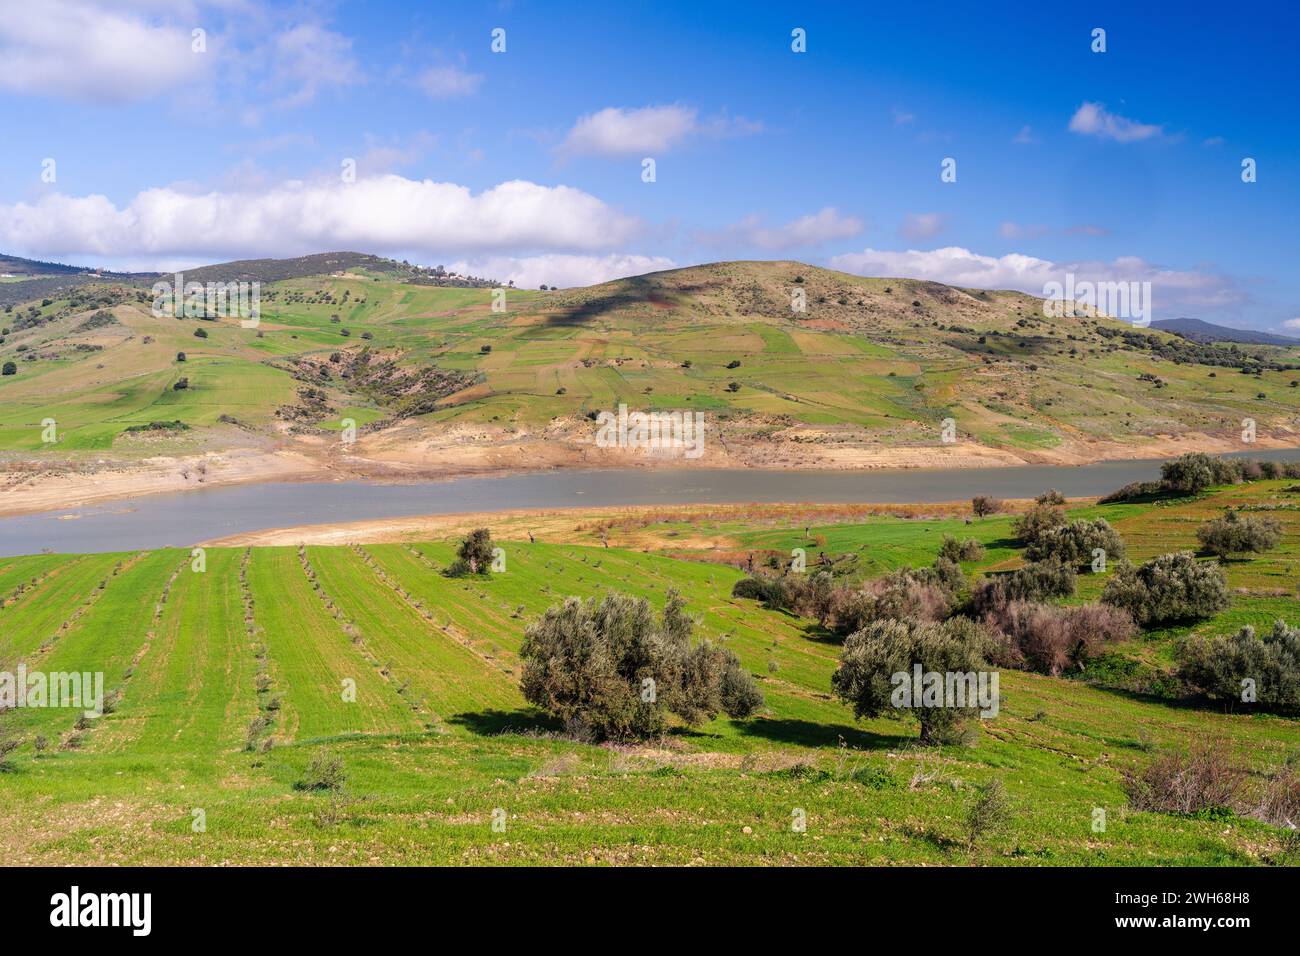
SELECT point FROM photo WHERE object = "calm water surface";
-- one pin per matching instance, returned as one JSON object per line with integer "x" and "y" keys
{"x": 186, "y": 518}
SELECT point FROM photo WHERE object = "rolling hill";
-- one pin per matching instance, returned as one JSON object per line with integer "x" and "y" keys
{"x": 436, "y": 380}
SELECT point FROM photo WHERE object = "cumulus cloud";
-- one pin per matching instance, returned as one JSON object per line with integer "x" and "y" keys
{"x": 1025, "y": 137}
{"x": 93, "y": 52}
{"x": 619, "y": 131}
{"x": 1172, "y": 290}
{"x": 1093, "y": 119}
{"x": 922, "y": 225}
{"x": 809, "y": 230}
{"x": 446, "y": 82}
{"x": 1291, "y": 325}
{"x": 566, "y": 271}
{"x": 386, "y": 213}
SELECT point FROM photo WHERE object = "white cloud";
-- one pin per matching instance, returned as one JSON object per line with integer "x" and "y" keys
{"x": 922, "y": 225}
{"x": 651, "y": 130}
{"x": 1093, "y": 119}
{"x": 309, "y": 59}
{"x": 1172, "y": 290}
{"x": 94, "y": 52}
{"x": 902, "y": 117}
{"x": 446, "y": 82}
{"x": 386, "y": 213}
{"x": 1025, "y": 137}
{"x": 809, "y": 230}
{"x": 565, "y": 271}
{"x": 1292, "y": 325}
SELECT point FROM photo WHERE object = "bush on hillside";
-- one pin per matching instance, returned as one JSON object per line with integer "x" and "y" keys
{"x": 954, "y": 550}
{"x": 983, "y": 505}
{"x": 1217, "y": 667}
{"x": 1036, "y": 522}
{"x": 474, "y": 556}
{"x": 1172, "y": 587}
{"x": 614, "y": 669}
{"x": 1203, "y": 780}
{"x": 884, "y": 648}
{"x": 1037, "y": 581}
{"x": 1235, "y": 533}
{"x": 1075, "y": 543}
{"x": 1049, "y": 639}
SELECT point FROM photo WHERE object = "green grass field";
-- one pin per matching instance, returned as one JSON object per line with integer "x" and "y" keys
{"x": 368, "y": 654}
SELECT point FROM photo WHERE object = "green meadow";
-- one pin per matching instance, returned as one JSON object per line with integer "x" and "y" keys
{"x": 227, "y": 681}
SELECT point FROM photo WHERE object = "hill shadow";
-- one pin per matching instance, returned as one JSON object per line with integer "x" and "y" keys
{"x": 636, "y": 290}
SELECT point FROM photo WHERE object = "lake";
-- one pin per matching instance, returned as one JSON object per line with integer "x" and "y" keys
{"x": 186, "y": 518}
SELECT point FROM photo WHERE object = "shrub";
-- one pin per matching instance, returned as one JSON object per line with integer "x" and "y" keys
{"x": 1049, "y": 639}
{"x": 989, "y": 811}
{"x": 181, "y": 384}
{"x": 1037, "y": 581}
{"x": 1036, "y": 522}
{"x": 773, "y": 592}
{"x": 1135, "y": 491}
{"x": 474, "y": 556}
{"x": 1050, "y": 497}
{"x": 1217, "y": 667}
{"x": 884, "y": 648}
{"x": 1235, "y": 533}
{"x": 954, "y": 550}
{"x": 1194, "y": 472}
{"x": 180, "y": 356}
{"x": 1075, "y": 542}
{"x": 982, "y": 505}
{"x": 905, "y": 595}
{"x": 616, "y": 669}
{"x": 1172, "y": 587}
{"x": 10, "y": 368}
{"x": 1202, "y": 780}
{"x": 323, "y": 773}
{"x": 200, "y": 333}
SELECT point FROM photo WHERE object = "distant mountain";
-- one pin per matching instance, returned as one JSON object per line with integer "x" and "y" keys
{"x": 17, "y": 266}
{"x": 1199, "y": 331}
{"x": 25, "y": 280}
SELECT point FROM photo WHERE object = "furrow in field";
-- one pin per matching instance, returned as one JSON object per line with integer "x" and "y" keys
{"x": 41, "y": 611}
{"x": 27, "y": 573}
{"x": 102, "y": 641}
{"x": 311, "y": 658}
{"x": 451, "y": 678}
{"x": 192, "y": 693}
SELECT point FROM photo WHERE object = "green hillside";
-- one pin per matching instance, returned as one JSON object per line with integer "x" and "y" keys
{"x": 870, "y": 364}
{"x": 227, "y": 682}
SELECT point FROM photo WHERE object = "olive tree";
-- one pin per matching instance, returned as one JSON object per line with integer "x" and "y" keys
{"x": 614, "y": 670}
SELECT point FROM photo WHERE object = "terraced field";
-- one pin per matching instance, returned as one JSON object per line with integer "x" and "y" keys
{"x": 228, "y": 680}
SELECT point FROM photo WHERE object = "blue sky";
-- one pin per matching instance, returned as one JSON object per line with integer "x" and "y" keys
{"x": 527, "y": 164}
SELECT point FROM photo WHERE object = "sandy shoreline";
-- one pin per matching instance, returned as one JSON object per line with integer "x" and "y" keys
{"x": 29, "y": 487}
